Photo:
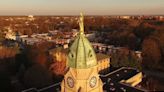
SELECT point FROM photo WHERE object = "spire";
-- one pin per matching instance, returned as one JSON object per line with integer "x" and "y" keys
{"x": 81, "y": 23}
{"x": 81, "y": 53}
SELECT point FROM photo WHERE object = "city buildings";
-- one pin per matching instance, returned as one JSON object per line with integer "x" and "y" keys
{"x": 83, "y": 73}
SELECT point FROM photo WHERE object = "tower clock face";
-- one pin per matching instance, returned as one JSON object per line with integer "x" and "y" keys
{"x": 70, "y": 82}
{"x": 93, "y": 82}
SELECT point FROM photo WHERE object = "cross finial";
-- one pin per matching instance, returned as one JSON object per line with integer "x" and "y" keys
{"x": 81, "y": 23}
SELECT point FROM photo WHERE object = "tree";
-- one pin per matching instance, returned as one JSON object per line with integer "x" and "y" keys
{"x": 58, "y": 68}
{"x": 125, "y": 59}
{"x": 37, "y": 76}
{"x": 2, "y": 38}
{"x": 143, "y": 30}
{"x": 59, "y": 61}
{"x": 152, "y": 54}
{"x": 42, "y": 59}
{"x": 5, "y": 85}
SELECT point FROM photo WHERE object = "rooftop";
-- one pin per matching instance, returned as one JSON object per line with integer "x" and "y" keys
{"x": 101, "y": 56}
{"x": 58, "y": 49}
{"x": 112, "y": 80}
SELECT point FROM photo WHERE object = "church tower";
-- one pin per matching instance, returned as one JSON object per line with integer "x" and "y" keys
{"x": 82, "y": 74}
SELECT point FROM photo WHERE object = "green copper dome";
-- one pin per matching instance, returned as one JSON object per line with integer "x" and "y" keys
{"x": 81, "y": 53}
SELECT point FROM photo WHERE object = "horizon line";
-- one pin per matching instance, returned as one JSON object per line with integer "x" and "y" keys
{"x": 84, "y": 15}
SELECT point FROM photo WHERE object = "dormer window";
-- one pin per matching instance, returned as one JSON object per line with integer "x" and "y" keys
{"x": 72, "y": 55}
{"x": 89, "y": 53}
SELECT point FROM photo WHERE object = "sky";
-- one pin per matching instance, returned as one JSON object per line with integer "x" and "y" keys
{"x": 88, "y": 7}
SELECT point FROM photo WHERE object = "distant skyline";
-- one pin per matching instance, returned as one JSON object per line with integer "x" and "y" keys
{"x": 89, "y": 7}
